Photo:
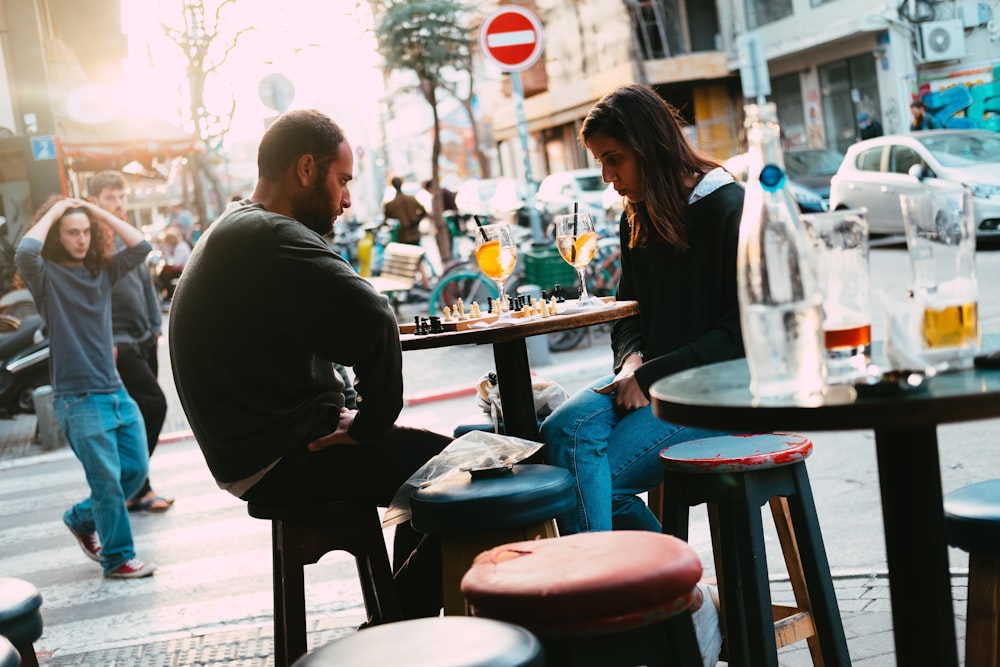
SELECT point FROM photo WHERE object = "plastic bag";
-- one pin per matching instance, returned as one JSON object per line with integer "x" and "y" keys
{"x": 548, "y": 396}
{"x": 473, "y": 450}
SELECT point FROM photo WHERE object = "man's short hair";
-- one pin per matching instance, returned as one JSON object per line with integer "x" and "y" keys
{"x": 294, "y": 134}
{"x": 397, "y": 182}
{"x": 918, "y": 104}
{"x": 105, "y": 180}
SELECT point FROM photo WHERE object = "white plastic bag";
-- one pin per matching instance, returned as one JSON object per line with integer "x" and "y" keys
{"x": 548, "y": 396}
{"x": 473, "y": 450}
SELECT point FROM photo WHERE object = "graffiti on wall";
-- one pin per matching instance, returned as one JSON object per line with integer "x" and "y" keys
{"x": 965, "y": 102}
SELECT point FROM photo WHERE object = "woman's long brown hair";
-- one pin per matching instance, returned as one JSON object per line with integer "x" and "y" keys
{"x": 637, "y": 117}
{"x": 101, "y": 239}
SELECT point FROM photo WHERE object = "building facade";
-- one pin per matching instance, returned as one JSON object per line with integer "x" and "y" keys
{"x": 828, "y": 61}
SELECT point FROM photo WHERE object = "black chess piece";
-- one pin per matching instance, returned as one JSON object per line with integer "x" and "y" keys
{"x": 557, "y": 290}
{"x": 436, "y": 324}
{"x": 489, "y": 304}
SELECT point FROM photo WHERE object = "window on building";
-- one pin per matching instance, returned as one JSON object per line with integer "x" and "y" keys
{"x": 760, "y": 12}
{"x": 786, "y": 93}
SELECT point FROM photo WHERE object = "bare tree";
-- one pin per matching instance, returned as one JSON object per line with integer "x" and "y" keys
{"x": 206, "y": 42}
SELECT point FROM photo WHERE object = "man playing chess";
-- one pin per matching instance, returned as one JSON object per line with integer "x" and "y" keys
{"x": 262, "y": 395}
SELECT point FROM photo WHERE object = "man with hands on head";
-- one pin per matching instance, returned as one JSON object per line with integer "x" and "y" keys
{"x": 68, "y": 261}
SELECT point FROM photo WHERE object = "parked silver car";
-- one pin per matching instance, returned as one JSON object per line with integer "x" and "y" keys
{"x": 876, "y": 171}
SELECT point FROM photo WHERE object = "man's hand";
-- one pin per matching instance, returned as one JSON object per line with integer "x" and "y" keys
{"x": 628, "y": 394}
{"x": 338, "y": 437}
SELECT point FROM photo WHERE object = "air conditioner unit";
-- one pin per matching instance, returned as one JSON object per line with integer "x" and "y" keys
{"x": 942, "y": 40}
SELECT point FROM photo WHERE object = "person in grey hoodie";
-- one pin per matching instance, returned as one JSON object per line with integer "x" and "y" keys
{"x": 136, "y": 323}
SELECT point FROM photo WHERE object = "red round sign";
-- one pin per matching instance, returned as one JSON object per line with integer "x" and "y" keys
{"x": 511, "y": 38}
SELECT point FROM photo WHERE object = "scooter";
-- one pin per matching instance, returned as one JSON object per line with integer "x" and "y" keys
{"x": 24, "y": 366}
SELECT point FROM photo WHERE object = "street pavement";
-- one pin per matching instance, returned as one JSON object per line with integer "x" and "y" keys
{"x": 210, "y": 600}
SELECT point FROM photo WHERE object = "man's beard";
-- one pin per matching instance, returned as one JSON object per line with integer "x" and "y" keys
{"x": 317, "y": 211}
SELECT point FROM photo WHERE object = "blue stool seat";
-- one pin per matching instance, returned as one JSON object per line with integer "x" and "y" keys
{"x": 972, "y": 517}
{"x": 594, "y": 599}
{"x": 450, "y": 641}
{"x": 736, "y": 475}
{"x": 8, "y": 654}
{"x": 21, "y": 616}
{"x": 475, "y": 514}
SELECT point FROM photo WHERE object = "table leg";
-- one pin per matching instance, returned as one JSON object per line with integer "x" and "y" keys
{"x": 916, "y": 547}
{"x": 514, "y": 379}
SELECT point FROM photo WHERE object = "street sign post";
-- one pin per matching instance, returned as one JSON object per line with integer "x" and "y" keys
{"x": 511, "y": 39}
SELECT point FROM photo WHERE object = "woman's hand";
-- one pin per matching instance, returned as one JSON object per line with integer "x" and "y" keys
{"x": 338, "y": 437}
{"x": 627, "y": 392}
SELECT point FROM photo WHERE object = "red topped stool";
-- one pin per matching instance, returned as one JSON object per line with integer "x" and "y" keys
{"x": 476, "y": 513}
{"x": 594, "y": 599}
{"x": 736, "y": 475}
{"x": 448, "y": 641}
{"x": 972, "y": 516}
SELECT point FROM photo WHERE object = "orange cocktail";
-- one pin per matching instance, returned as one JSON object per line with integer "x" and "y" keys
{"x": 496, "y": 260}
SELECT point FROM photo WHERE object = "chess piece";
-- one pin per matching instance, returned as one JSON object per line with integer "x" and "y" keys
{"x": 436, "y": 324}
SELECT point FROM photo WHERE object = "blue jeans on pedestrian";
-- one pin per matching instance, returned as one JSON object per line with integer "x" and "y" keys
{"x": 612, "y": 459}
{"x": 107, "y": 434}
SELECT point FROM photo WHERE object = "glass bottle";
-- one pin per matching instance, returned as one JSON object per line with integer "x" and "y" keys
{"x": 779, "y": 291}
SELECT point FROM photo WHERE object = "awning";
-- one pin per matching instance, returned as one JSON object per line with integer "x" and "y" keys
{"x": 113, "y": 144}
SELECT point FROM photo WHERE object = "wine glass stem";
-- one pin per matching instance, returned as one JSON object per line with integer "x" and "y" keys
{"x": 584, "y": 295}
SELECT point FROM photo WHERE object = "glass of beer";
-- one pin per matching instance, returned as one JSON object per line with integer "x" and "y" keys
{"x": 840, "y": 242}
{"x": 577, "y": 242}
{"x": 496, "y": 254}
{"x": 941, "y": 240}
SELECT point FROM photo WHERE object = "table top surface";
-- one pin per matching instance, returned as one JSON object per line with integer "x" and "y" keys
{"x": 718, "y": 396}
{"x": 502, "y": 331}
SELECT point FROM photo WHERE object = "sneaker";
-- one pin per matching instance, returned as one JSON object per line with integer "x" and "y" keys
{"x": 89, "y": 543}
{"x": 133, "y": 568}
{"x": 706, "y": 626}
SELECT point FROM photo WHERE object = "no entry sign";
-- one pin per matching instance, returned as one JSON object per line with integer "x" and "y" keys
{"x": 511, "y": 38}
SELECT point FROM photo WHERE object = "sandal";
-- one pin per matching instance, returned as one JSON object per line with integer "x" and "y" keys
{"x": 155, "y": 504}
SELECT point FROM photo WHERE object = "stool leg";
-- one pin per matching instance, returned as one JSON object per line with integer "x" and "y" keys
{"x": 28, "y": 657}
{"x": 982, "y": 626}
{"x": 748, "y": 528}
{"x": 289, "y": 595}
{"x": 793, "y": 624}
{"x": 377, "y": 585}
{"x": 816, "y": 569}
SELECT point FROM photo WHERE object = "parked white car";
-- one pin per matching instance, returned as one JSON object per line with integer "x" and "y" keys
{"x": 559, "y": 191}
{"x": 877, "y": 171}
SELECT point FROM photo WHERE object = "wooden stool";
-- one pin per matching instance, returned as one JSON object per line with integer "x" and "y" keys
{"x": 449, "y": 641}
{"x": 9, "y": 656}
{"x": 972, "y": 515}
{"x": 301, "y": 535}
{"x": 602, "y": 599}
{"x": 475, "y": 514}
{"x": 21, "y": 617}
{"x": 736, "y": 475}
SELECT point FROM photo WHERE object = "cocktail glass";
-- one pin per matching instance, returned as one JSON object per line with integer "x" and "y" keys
{"x": 496, "y": 254}
{"x": 577, "y": 242}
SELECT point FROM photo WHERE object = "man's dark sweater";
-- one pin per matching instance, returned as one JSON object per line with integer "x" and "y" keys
{"x": 697, "y": 284}
{"x": 253, "y": 355}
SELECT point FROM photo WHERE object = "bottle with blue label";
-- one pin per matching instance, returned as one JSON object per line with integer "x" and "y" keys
{"x": 779, "y": 291}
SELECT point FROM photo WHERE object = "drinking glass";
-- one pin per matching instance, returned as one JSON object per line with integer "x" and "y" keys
{"x": 496, "y": 255}
{"x": 941, "y": 241}
{"x": 840, "y": 244}
{"x": 577, "y": 242}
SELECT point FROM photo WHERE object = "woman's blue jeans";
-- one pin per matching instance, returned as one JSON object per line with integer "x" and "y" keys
{"x": 612, "y": 459}
{"x": 107, "y": 434}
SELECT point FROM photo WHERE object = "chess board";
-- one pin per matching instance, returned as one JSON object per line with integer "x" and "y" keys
{"x": 453, "y": 325}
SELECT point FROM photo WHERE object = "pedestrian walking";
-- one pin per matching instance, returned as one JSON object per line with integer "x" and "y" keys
{"x": 136, "y": 323}
{"x": 67, "y": 260}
